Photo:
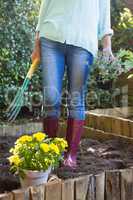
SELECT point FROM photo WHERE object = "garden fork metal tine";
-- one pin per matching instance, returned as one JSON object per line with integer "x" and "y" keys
{"x": 14, "y": 105}
{"x": 19, "y": 93}
{"x": 17, "y": 101}
{"x": 17, "y": 105}
{"x": 14, "y": 114}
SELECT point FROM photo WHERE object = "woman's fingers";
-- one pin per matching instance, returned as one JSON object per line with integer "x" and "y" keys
{"x": 108, "y": 55}
{"x": 35, "y": 55}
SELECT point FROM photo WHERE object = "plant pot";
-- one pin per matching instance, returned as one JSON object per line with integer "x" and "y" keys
{"x": 107, "y": 85}
{"x": 33, "y": 178}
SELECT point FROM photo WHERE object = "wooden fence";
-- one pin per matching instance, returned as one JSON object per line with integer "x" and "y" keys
{"x": 124, "y": 87}
{"x": 109, "y": 185}
{"x": 129, "y": 4}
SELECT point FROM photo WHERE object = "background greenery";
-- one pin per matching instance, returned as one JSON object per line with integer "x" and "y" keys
{"x": 122, "y": 24}
{"x": 18, "y": 20}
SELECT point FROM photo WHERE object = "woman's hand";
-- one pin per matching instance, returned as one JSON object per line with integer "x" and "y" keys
{"x": 108, "y": 55}
{"x": 36, "y": 53}
{"x": 107, "y": 51}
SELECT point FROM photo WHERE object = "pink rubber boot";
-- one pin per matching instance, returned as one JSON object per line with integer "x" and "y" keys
{"x": 50, "y": 126}
{"x": 73, "y": 136}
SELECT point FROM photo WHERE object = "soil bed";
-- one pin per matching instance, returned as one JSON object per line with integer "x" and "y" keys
{"x": 93, "y": 157}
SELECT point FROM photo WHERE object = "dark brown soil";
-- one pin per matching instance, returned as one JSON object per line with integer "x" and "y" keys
{"x": 7, "y": 180}
{"x": 93, "y": 157}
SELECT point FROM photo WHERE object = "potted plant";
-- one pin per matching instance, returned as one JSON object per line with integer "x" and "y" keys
{"x": 105, "y": 72}
{"x": 33, "y": 157}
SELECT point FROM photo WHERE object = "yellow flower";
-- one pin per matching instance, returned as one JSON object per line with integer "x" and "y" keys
{"x": 11, "y": 150}
{"x": 61, "y": 142}
{"x": 64, "y": 145}
{"x": 23, "y": 139}
{"x": 14, "y": 160}
{"x": 54, "y": 148}
{"x": 16, "y": 148}
{"x": 44, "y": 147}
{"x": 39, "y": 136}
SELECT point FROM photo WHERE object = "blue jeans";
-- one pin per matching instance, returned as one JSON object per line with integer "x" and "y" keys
{"x": 57, "y": 57}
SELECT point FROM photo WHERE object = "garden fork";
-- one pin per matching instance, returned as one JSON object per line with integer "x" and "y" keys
{"x": 17, "y": 102}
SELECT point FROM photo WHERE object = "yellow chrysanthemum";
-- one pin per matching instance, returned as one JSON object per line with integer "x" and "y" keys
{"x": 44, "y": 147}
{"x": 63, "y": 143}
{"x": 17, "y": 148}
{"x": 39, "y": 136}
{"x": 14, "y": 160}
{"x": 23, "y": 139}
{"x": 54, "y": 148}
{"x": 11, "y": 150}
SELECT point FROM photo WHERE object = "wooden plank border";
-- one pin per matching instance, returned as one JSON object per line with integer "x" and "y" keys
{"x": 108, "y": 185}
{"x": 110, "y": 124}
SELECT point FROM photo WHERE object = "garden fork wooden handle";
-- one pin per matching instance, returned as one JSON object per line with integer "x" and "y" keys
{"x": 32, "y": 69}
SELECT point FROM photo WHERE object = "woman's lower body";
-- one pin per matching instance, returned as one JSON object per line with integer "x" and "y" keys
{"x": 57, "y": 57}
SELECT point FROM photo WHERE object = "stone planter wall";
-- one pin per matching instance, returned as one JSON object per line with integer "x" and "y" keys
{"x": 17, "y": 130}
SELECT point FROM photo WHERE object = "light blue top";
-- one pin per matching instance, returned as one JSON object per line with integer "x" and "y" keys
{"x": 78, "y": 22}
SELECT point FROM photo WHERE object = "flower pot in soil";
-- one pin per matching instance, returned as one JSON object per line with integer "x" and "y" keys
{"x": 32, "y": 178}
{"x": 33, "y": 157}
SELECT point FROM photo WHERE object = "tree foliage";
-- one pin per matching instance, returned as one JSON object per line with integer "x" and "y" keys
{"x": 18, "y": 19}
{"x": 122, "y": 24}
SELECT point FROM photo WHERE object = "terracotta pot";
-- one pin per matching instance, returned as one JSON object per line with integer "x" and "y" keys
{"x": 33, "y": 178}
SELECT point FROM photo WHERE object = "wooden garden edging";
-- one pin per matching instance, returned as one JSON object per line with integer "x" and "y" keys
{"x": 109, "y": 185}
{"x": 110, "y": 124}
